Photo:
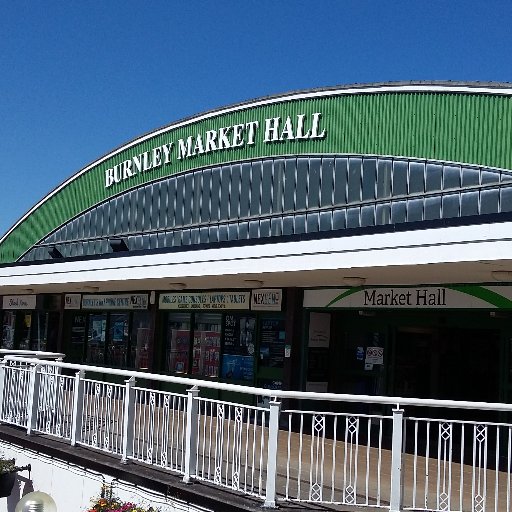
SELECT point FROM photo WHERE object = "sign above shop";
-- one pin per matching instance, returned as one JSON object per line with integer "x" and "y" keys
{"x": 267, "y": 299}
{"x": 19, "y": 302}
{"x": 72, "y": 301}
{"x": 205, "y": 300}
{"x": 420, "y": 297}
{"x": 125, "y": 301}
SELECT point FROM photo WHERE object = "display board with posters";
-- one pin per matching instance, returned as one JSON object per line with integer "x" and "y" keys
{"x": 272, "y": 342}
{"x": 238, "y": 347}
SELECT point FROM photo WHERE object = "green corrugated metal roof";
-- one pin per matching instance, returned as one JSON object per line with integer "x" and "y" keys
{"x": 449, "y": 123}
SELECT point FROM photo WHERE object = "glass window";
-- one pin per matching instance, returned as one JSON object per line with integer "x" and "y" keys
{"x": 223, "y": 233}
{"x": 278, "y": 186}
{"x": 93, "y": 227}
{"x": 383, "y": 214}
{"x": 276, "y": 226}
{"x": 399, "y": 178}
{"x": 398, "y": 212}
{"x": 266, "y": 188}
{"x": 134, "y": 206}
{"x": 171, "y": 202}
{"x": 340, "y": 180}
{"x": 243, "y": 230}
{"x": 178, "y": 342}
{"x": 264, "y": 228}
{"x": 354, "y": 180}
{"x": 416, "y": 178}
{"x": 162, "y": 204}
{"x": 233, "y": 231}
{"x": 301, "y": 187}
{"x": 434, "y": 176}
{"x": 205, "y": 195}
{"x": 254, "y": 229}
{"x": 288, "y": 226}
{"x": 117, "y": 203}
{"x": 353, "y": 220}
{"x": 245, "y": 190}
{"x": 433, "y": 208}
{"x": 238, "y": 341}
{"x": 325, "y": 221}
{"x": 117, "y": 352}
{"x": 506, "y": 199}
{"x": 234, "y": 199}
{"x": 470, "y": 177}
{"x": 198, "y": 194}
{"x": 148, "y": 222}
{"x": 8, "y": 328}
{"x": 188, "y": 198}
{"x": 469, "y": 204}
{"x": 214, "y": 234}
{"x": 312, "y": 222}
{"x": 96, "y": 338}
{"x": 367, "y": 216}
{"x": 451, "y": 177}
{"x": 338, "y": 219}
{"x": 300, "y": 224}
{"x": 255, "y": 189}
{"x": 178, "y": 211}
{"x": 142, "y": 339}
{"x": 206, "y": 344}
{"x": 506, "y": 177}
{"x": 203, "y": 235}
{"x": 215, "y": 195}
{"x": 272, "y": 342}
{"x": 450, "y": 206}
{"x": 289, "y": 185}
{"x": 224, "y": 192}
{"x": 414, "y": 210}
{"x": 369, "y": 178}
{"x": 489, "y": 201}
{"x": 314, "y": 183}
{"x": 327, "y": 182}
{"x": 489, "y": 177}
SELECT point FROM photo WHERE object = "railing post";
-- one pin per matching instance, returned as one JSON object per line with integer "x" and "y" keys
{"x": 78, "y": 408}
{"x": 273, "y": 433}
{"x": 129, "y": 416}
{"x": 33, "y": 398}
{"x": 3, "y": 364}
{"x": 395, "y": 500}
{"x": 191, "y": 433}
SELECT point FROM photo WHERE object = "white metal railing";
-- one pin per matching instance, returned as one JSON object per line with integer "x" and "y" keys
{"x": 349, "y": 450}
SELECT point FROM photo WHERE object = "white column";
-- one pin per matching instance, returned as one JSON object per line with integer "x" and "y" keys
{"x": 3, "y": 364}
{"x": 191, "y": 433}
{"x": 78, "y": 407}
{"x": 273, "y": 433}
{"x": 129, "y": 419}
{"x": 395, "y": 500}
{"x": 33, "y": 397}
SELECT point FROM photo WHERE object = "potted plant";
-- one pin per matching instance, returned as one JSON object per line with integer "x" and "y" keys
{"x": 8, "y": 470}
{"x": 107, "y": 501}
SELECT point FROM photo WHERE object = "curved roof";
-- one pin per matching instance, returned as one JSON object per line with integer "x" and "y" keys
{"x": 449, "y": 121}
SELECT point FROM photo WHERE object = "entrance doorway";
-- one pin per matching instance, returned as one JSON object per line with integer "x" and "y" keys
{"x": 447, "y": 363}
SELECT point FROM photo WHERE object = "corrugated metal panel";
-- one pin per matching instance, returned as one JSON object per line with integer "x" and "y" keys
{"x": 467, "y": 128}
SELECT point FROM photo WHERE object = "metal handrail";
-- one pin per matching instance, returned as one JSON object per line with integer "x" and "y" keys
{"x": 32, "y": 354}
{"x": 297, "y": 395}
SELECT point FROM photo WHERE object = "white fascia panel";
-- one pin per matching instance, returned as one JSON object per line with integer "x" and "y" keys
{"x": 489, "y": 242}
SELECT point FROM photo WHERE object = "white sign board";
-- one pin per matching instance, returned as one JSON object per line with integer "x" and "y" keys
{"x": 419, "y": 297}
{"x": 374, "y": 355}
{"x": 124, "y": 301}
{"x": 72, "y": 301}
{"x": 266, "y": 300}
{"x": 205, "y": 300}
{"x": 19, "y": 302}
{"x": 319, "y": 329}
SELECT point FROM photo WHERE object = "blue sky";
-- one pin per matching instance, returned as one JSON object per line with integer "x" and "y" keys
{"x": 78, "y": 79}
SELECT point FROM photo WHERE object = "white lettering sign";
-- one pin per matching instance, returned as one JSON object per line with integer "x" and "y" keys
{"x": 19, "y": 302}
{"x": 266, "y": 300}
{"x": 277, "y": 129}
{"x": 205, "y": 300}
{"x": 126, "y": 301}
{"x": 72, "y": 301}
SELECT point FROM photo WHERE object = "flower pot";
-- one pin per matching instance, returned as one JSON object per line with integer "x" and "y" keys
{"x": 6, "y": 484}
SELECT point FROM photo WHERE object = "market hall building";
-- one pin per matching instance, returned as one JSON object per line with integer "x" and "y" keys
{"x": 352, "y": 239}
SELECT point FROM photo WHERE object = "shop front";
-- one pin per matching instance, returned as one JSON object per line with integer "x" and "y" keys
{"x": 30, "y": 322}
{"x": 112, "y": 330}
{"x": 235, "y": 336}
{"x": 446, "y": 342}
